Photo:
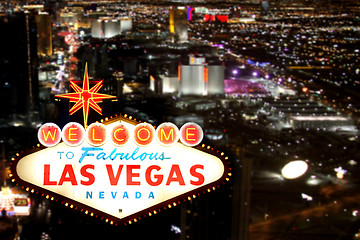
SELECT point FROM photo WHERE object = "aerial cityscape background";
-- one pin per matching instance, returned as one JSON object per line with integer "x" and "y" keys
{"x": 275, "y": 84}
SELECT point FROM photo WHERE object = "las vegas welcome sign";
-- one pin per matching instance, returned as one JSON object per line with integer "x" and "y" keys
{"x": 120, "y": 170}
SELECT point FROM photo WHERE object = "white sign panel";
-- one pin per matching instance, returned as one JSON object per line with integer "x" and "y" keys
{"x": 119, "y": 182}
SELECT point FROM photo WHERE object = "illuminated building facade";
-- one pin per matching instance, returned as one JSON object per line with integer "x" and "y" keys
{"x": 96, "y": 28}
{"x": 44, "y": 34}
{"x": 111, "y": 28}
{"x": 169, "y": 84}
{"x": 199, "y": 78}
{"x": 215, "y": 76}
{"x": 178, "y": 24}
{"x": 125, "y": 24}
{"x": 107, "y": 28}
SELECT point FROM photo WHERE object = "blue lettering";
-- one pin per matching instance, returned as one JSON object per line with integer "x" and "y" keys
{"x": 71, "y": 155}
{"x": 113, "y": 194}
{"x": 137, "y": 195}
{"x": 60, "y": 153}
{"x": 151, "y": 195}
{"x": 110, "y": 156}
{"x": 86, "y": 152}
{"x": 134, "y": 153}
{"x": 101, "y": 195}
{"x": 126, "y": 156}
{"x": 143, "y": 156}
{"x": 125, "y": 195}
{"x": 88, "y": 195}
{"x": 162, "y": 157}
{"x": 101, "y": 156}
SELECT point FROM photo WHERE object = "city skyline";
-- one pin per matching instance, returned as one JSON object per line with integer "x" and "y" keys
{"x": 273, "y": 85}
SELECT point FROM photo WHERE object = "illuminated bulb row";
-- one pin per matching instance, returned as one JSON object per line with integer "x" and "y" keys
{"x": 221, "y": 154}
{"x": 174, "y": 204}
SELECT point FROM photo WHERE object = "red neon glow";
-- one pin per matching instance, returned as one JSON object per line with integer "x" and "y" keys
{"x": 96, "y": 134}
{"x": 206, "y": 75}
{"x": 191, "y": 134}
{"x": 73, "y": 134}
{"x": 85, "y": 97}
{"x": 120, "y": 135}
{"x": 167, "y": 134}
{"x": 144, "y": 134}
{"x": 213, "y": 18}
{"x": 49, "y": 134}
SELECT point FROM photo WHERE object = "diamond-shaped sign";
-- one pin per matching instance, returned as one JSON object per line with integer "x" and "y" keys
{"x": 114, "y": 181}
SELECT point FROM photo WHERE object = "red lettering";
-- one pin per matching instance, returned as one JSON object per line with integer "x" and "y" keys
{"x": 89, "y": 176}
{"x": 68, "y": 170}
{"x": 196, "y": 174}
{"x": 114, "y": 179}
{"x": 159, "y": 178}
{"x": 175, "y": 169}
{"x": 130, "y": 175}
{"x": 47, "y": 175}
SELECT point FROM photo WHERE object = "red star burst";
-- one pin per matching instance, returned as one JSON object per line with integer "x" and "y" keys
{"x": 85, "y": 97}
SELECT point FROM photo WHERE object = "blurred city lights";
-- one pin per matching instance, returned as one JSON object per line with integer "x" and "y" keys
{"x": 294, "y": 169}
